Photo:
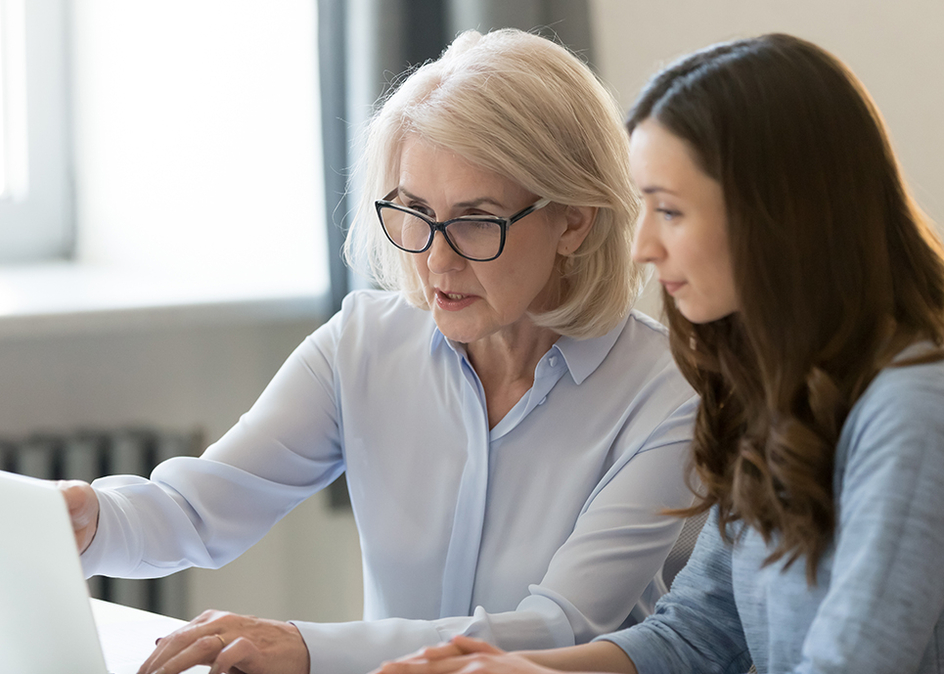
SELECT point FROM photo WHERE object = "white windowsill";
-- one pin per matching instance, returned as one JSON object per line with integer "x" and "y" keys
{"x": 67, "y": 297}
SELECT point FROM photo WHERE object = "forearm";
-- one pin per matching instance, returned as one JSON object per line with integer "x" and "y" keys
{"x": 598, "y": 656}
{"x": 125, "y": 545}
{"x": 193, "y": 512}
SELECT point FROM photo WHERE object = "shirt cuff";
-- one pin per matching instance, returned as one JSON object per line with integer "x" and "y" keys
{"x": 358, "y": 647}
{"x": 114, "y": 543}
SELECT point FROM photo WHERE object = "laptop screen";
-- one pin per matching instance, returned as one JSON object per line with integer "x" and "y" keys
{"x": 46, "y": 623}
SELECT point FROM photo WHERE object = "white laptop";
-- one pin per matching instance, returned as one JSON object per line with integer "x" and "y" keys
{"x": 46, "y": 618}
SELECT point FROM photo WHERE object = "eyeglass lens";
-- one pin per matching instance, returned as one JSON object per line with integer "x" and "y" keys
{"x": 478, "y": 239}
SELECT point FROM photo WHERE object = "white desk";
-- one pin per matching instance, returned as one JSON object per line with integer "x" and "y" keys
{"x": 128, "y": 635}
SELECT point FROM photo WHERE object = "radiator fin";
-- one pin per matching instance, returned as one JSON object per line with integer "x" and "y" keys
{"x": 86, "y": 455}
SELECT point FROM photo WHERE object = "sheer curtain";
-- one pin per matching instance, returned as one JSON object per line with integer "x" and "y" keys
{"x": 364, "y": 44}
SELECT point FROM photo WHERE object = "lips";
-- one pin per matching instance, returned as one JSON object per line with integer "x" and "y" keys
{"x": 672, "y": 287}
{"x": 451, "y": 301}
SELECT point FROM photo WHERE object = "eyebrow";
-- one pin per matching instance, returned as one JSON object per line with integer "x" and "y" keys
{"x": 474, "y": 203}
{"x": 655, "y": 189}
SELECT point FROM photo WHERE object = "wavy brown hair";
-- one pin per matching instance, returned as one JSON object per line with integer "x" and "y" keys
{"x": 835, "y": 266}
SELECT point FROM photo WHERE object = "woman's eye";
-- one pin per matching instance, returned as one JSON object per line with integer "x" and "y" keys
{"x": 422, "y": 208}
{"x": 668, "y": 213}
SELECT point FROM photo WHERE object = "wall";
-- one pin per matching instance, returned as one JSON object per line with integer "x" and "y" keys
{"x": 893, "y": 47}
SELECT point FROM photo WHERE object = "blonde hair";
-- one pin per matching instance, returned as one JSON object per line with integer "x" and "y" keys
{"x": 528, "y": 109}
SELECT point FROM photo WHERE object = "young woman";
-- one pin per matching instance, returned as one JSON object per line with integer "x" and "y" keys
{"x": 805, "y": 299}
{"x": 510, "y": 431}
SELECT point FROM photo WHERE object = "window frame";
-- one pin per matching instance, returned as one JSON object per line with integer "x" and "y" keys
{"x": 37, "y": 215}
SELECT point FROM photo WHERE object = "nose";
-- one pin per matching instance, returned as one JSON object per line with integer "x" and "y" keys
{"x": 441, "y": 258}
{"x": 647, "y": 247}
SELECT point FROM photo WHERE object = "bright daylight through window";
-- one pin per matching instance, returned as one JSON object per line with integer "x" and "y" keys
{"x": 163, "y": 153}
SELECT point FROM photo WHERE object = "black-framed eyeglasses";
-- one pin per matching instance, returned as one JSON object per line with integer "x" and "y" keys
{"x": 479, "y": 238}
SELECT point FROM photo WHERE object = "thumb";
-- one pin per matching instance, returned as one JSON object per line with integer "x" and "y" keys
{"x": 469, "y": 645}
{"x": 82, "y": 504}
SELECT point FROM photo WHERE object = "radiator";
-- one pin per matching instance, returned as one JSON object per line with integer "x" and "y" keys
{"x": 86, "y": 455}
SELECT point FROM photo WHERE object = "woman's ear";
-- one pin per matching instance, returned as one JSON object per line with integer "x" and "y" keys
{"x": 579, "y": 221}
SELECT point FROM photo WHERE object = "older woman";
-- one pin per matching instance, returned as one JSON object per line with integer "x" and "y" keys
{"x": 509, "y": 430}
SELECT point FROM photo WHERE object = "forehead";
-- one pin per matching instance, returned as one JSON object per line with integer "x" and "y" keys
{"x": 429, "y": 169}
{"x": 416, "y": 153}
{"x": 655, "y": 153}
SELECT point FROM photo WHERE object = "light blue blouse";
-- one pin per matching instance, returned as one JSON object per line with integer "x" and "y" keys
{"x": 878, "y": 604}
{"x": 542, "y": 531}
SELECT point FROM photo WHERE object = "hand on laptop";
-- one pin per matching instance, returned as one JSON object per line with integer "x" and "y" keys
{"x": 230, "y": 643}
{"x": 83, "y": 510}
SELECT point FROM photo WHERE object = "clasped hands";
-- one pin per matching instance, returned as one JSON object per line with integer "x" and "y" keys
{"x": 462, "y": 655}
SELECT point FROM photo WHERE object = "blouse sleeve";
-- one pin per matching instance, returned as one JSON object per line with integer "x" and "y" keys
{"x": 206, "y": 511}
{"x": 886, "y": 596}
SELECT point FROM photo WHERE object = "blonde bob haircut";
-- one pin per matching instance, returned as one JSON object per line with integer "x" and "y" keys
{"x": 526, "y": 108}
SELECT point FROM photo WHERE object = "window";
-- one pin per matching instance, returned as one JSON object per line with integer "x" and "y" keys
{"x": 192, "y": 145}
{"x": 4, "y": 189}
{"x": 197, "y": 153}
{"x": 35, "y": 183}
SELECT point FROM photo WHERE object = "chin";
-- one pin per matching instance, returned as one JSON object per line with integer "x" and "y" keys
{"x": 700, "y": 318}
{"x": 456, "y": 333}
{"x": 700, "y": 315}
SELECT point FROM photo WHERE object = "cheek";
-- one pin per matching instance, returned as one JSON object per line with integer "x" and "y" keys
{"x": 420, "y": 267}
{"x": 722, "y": 278}
{"x": 417, "y": 264}
{"x": 513, "y": 286}
{"x": 526, "y": 262}
{"x": 536, "y": 269}
{"x": 724, "y": 267}
{"x": 418, "y": 261}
